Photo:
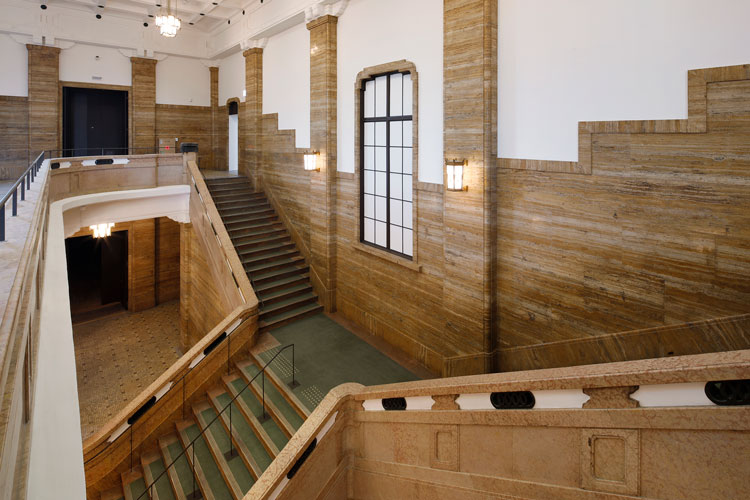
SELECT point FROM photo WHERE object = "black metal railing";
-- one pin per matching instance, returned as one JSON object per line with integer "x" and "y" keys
{"x": 232, "y": 453}
{"x": 23, "y": 183}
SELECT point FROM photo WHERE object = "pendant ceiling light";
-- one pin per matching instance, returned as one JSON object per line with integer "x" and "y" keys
{"x": 167, "y": 22}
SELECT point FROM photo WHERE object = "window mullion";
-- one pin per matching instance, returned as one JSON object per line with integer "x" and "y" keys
{"x": 388, "y": 163}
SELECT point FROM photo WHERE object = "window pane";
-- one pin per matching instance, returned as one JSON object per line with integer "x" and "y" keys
{"x": 396, "y": 133}
{"x": 370, "y": 230}
{"x": 396, "y": 212}
{"x": 396, "y": 238}
{"x": 396, "y": 159}
{"x": 381, "y": 95}
{"x": 380, "y": 180}
{"x": 408, "y": 133}
{"x": 369, "y": 206}
{"x": 369, "y": 158}
{"x": 380, "y": 137}
{"x": 407, "y": 222}
{"x": 369, "y": 98}
{"x": 396, "y": 186}
{"x": 380, "y": 209}
{"x": 407, "y": 94}
{"x": 407, "y": 187}
{"x": 408, "y": 153}
{"x": 380, "y": 236}
{"x": 380, "y": 158}
{"x": 369, "y": 181}
{"x": 408, "y": 242}
{"x": 369, "y": 134}
{"x": 396, "y": 94}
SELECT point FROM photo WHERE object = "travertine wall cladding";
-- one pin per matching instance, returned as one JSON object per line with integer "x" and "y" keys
{"x": 143, "y": 103}
{"x": 188, "y": 124}
{"x": 656, "y": 236}
{"x": 14, "y": 136}
{"x": 43, "y": 100}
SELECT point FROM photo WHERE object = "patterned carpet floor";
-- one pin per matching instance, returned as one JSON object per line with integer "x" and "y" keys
{"x": 117, "y": 357}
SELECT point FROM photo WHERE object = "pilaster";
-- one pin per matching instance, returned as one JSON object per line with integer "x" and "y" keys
{"x": 251, "y": 153}
{"x": 143, "y": 105}
{"x": 323, "y": 94}
{"x": 44, "y": 98}
{"x": 214, "y": 119}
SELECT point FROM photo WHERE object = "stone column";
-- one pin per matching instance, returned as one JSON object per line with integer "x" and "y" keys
{"x": 470, "y": 132}
{"x": 214, "y": 120}
{"x": 143, "y": 105}
{"x": 44, "y": 98}
{"x": 323, "y": 81}
{"x": 251, "y": 146}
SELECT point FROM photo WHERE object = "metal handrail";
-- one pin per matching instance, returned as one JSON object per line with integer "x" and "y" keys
{"x": 149, "y": 488}
{"x": 175, "y": 384}
{"x": 24, "y": 181}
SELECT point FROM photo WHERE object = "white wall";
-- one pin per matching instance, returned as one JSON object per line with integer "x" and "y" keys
{"x": 231, "y": 78}
{"x": 183, "y": 81}
{"x": 14, "y": 77}
{"x": 588, "y": 60}
{"x": 286, "y": 81}
{"x": 79, "y": 64}
{"x": 377, "y": 32}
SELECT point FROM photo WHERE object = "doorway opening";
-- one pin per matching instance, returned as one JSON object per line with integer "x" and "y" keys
{"x": 95, "y": 121}
{"x": 97, "y": 275}
{"x": 233, "y": 148}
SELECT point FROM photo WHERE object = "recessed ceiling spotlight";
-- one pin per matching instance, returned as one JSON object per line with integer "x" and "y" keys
{"x": 229, "y": 21}
{"x": 215, "y": 3}
{"x": 243, "y": 12}
{"x": 202, "y": 14}
{"x": 145, "y": 25}
{"x": 191, "y": 24}
{"x": 100, "y": 6}
{"x": 158, "y": 5}
{"x": 98, "y": 16}
{"x": 43, "y": 6}
{"x": 150, "y": 15}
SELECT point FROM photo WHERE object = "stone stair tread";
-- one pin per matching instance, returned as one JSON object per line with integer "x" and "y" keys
{"x": 274, "y": 398}
{"x": 267, "y": 247}
{"x": 298, "y": 289}
{"x": 243, "y": 237}
{"x": 250, "y": 260}
{"x": 112, "y": 494}
{"x": 282, "y": 385}
{"x": 247, "y": 433}
{"x": 293, "y": 269}
{"x": 249, "y": 209}
{"x": 134, "y": 484}
{"x": 236, "y": 475}
{"x": 289, "y": 303}
{"x": 278, "y": 320}
{"x": 274, "y": 436}
{"x": 272, "y": 239}
{"x": 153, "y": 466}
{"x": 207, "y": 473}
{"x": 270, "y": 266}
{"x": 280, "y": 283}
{"x": 180, "y": 473}
{"x": 251, "y": 225}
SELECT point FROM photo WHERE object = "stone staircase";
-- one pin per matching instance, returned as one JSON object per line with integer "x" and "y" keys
{"x": 273, "y": 263}
{"x": 223, "y": 471}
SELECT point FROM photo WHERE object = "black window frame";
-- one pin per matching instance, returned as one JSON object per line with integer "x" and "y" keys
{"x": 388, "y": 119}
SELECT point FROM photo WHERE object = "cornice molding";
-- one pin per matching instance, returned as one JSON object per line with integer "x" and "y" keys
{"x": 325, "y": 8}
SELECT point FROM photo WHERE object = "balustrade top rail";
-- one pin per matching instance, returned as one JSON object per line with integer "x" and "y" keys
{"x": 24, "y": 183}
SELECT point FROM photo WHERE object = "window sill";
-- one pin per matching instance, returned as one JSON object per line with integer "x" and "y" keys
{"x": 393, "y": 259}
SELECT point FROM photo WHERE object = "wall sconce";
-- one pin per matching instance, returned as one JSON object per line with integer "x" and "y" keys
{"x": 102, "y": 230}
{"x": 311, "y": 160}
{"x": 454, "y": 172}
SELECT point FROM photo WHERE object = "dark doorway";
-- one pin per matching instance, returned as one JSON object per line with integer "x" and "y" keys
{"x": 97, "y": 275}
{"x": 95, "y": 122}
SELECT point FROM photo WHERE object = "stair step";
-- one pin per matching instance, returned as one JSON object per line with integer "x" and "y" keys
{"x": 289, "y": 316}
{"x": 241, "y": 238}
{"x": 207, "y": 472}
{"x": 112, "y": 494}
{"x": 274, "y": 265}
{"x": 282, "y": 365}
{"x": 284, "y": 305}
{"x": 153, "y": 467}
{"x": 180, "y": 473}
{"x": 249, "y": 227}
{"x": 278, "y": 274}
{"x": 244, "y": 203}
{"x": 227, "y": 180}
{"x": 276, "y": 296}
{"x": 229, "y": 186}
{"x": 268, "y": 248}
{"x": 272, "y": 436}
{"x": 236, "y": 475}
{"x": 133, "y": 484}
{"x": 251, "y": 261}
{"x": 235, "y": 195}
{"x": 248, "y": 434}
{"x": 282, "y": 411}
{"x": 268, "y": 242}
{"x": 273, "y": 286}
{"x": 232, "y": 220}
{"x": 246, "y": 210}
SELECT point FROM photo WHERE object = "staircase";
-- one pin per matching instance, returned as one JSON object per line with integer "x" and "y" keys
{"x": 277, "y": 271}
{"x": 225, "y": 468}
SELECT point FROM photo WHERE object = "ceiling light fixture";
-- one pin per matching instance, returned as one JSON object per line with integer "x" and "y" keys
{"x": 167, "y": 22}
{"x": 102, "y": 230}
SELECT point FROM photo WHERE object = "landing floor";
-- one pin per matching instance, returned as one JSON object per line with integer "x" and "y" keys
{"x": 119, "y": 356}
{"x": 327, "y": 355}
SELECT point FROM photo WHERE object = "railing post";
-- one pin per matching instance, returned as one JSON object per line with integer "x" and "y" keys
{"x": 14, "y": 210}
{"x": 23, "y": 191}
{"x": 28, "y": 180}
{"x": 263, "y": 416}
{"x": 2, "y": 222}
{"x": 293, "y": 384}
{"x": 192, "y": 495}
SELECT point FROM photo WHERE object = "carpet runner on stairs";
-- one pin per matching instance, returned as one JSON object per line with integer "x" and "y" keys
{"x": 277, "y": 270}
{"x": 218, "y": 467}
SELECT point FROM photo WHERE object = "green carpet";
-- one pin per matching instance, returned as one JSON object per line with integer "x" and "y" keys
{"x": 248, "y": 436}
{"x": 274, "y": 396}
{"x": 237, "y": 467}
{"x": 137, "y": 488}
{"x": 210, "y": 470}
{"x": 327, "y": 355}
{"x": 162, "y": 486}
{"x": 182, "y": 467}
